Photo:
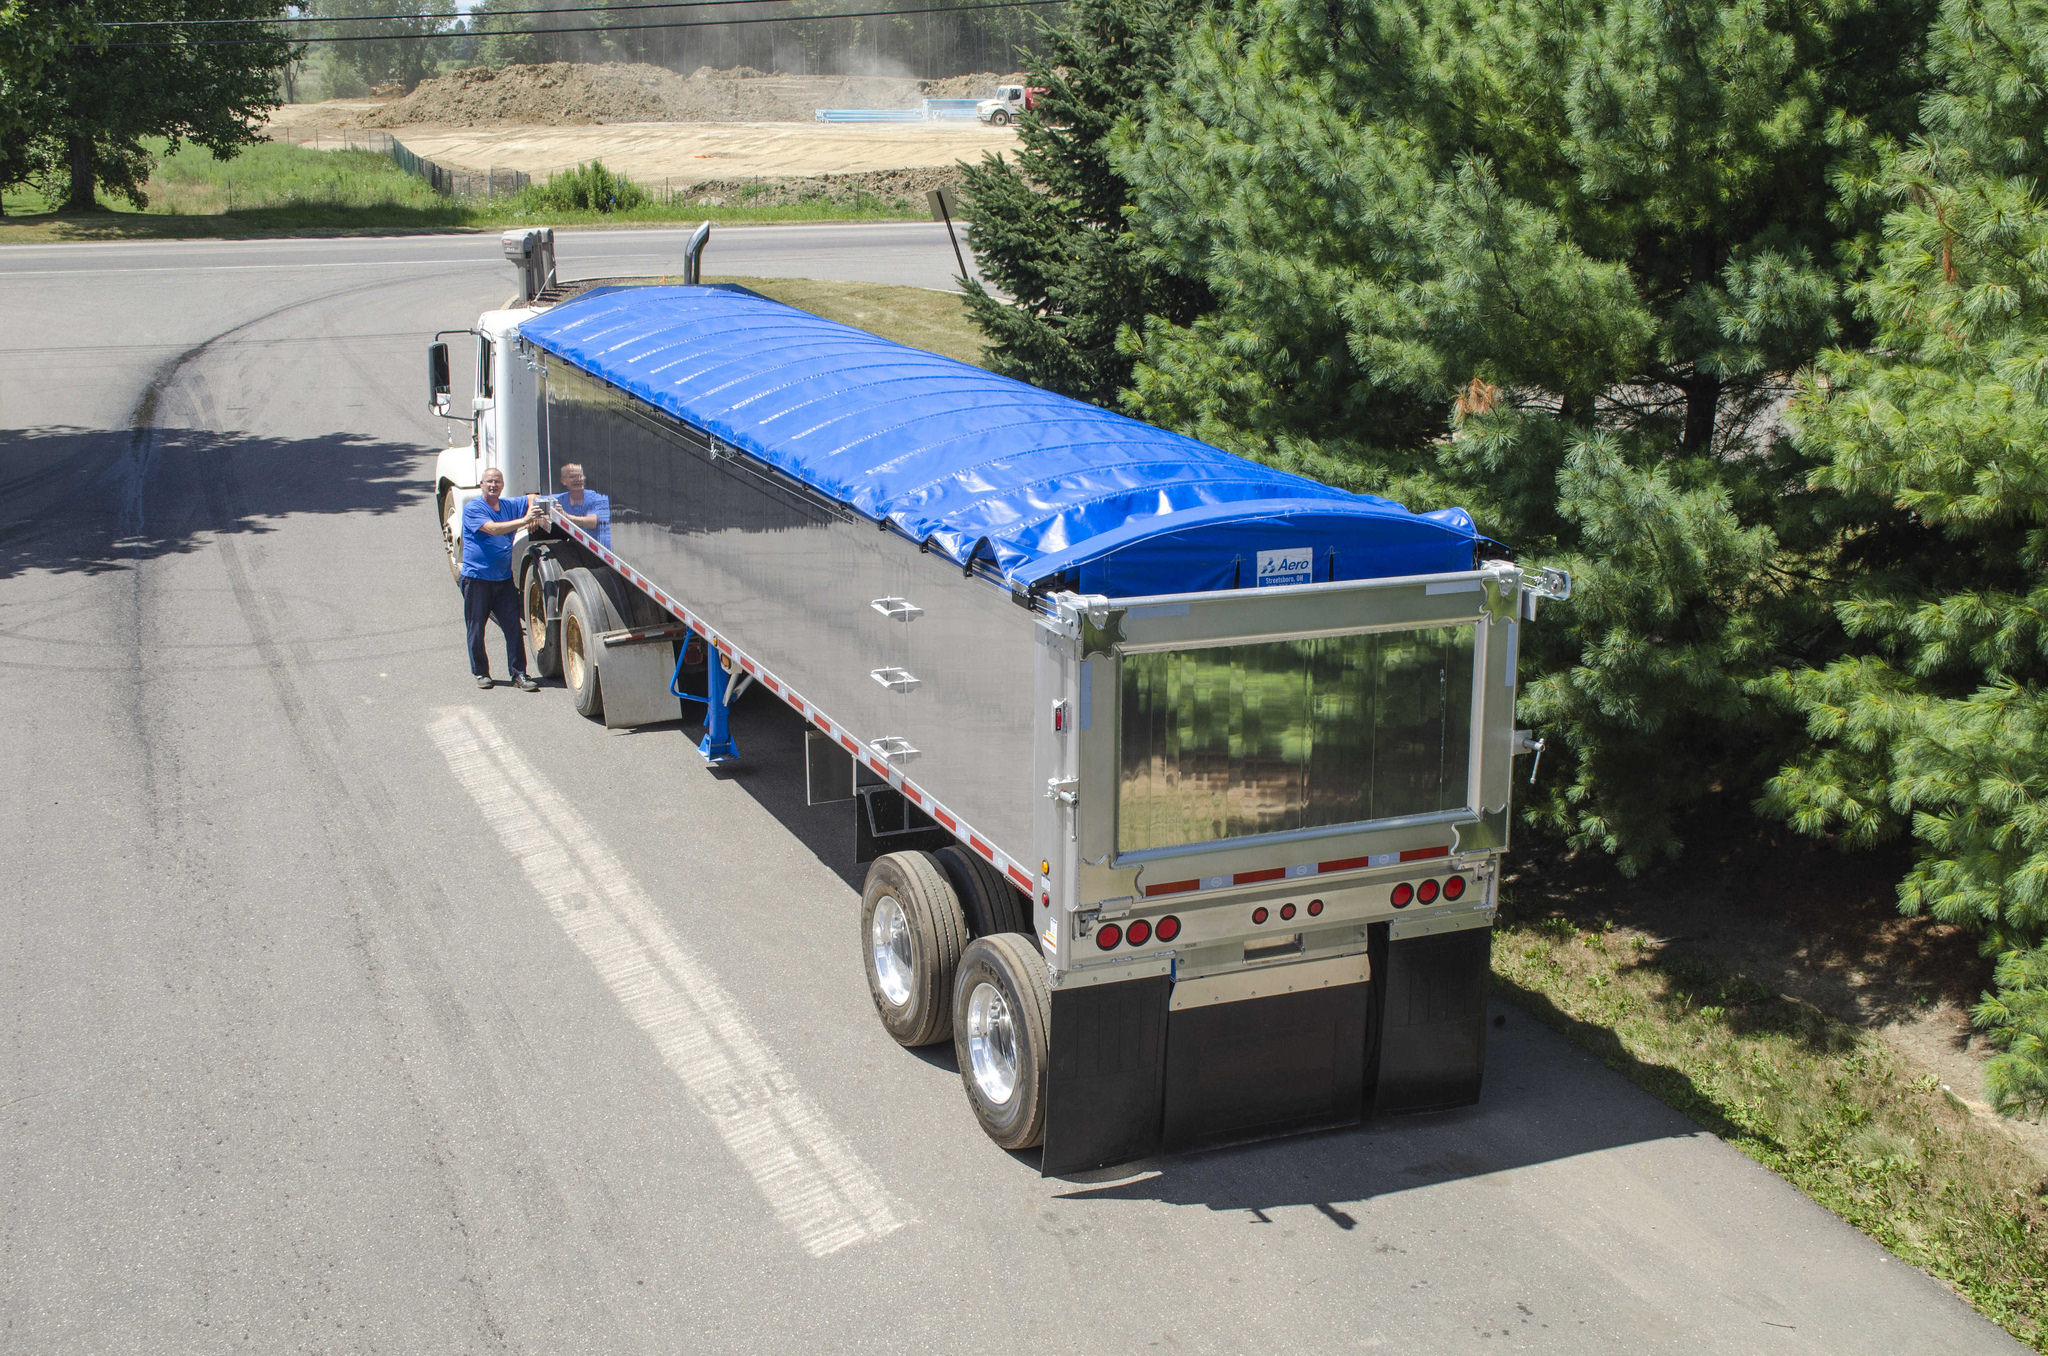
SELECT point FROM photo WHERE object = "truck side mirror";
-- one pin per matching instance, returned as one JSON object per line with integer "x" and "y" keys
{"x": 437, "y": 378}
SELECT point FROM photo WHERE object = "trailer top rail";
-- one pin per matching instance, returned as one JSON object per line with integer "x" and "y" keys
{"x": 1050, "y": 491}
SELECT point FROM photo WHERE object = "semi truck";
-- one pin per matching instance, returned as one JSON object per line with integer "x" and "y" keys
{"x": 1007, "y": 104}
{"x": 1183, "y": 783}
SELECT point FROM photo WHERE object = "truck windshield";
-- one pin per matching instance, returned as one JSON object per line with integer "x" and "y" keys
{"x": 1235, "y": 740}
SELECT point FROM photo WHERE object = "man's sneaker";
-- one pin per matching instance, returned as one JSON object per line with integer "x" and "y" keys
{"x": 483, "y": 680}
{"x": 524, "y": 683}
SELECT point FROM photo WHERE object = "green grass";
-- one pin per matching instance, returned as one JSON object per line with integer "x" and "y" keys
{"x": 277, "y": 189}
{"x": 1833, "y": 1110}
{"x": 936, "y": 321}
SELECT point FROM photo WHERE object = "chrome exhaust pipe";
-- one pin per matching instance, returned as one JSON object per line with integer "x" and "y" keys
{"x": 693, "y": 257}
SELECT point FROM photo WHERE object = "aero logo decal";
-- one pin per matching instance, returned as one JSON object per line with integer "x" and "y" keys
{"x": 811, "y": 1177}
{"x": 1286, "y": 567}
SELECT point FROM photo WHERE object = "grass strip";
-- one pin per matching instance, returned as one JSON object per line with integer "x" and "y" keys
{"x": 275, "y": 189}
{"x": 1832, "y": 1109}
{"x": 934, "y": 321}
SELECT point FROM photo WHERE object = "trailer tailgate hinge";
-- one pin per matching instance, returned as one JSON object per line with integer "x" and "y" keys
{"x": 1061, "y": 789}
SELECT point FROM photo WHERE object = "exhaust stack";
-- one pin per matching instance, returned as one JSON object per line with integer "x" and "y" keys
{"x": 693, "y": 257}
{"x": 532, "y": 252}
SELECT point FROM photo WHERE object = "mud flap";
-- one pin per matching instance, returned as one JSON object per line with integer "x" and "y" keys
{"x": 1104, "y": 1084}
{"x": 1433, "y": 1037}
{"x": 1245, "y": 1070}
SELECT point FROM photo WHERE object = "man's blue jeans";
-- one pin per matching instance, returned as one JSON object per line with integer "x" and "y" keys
{"x": 493, "y": 600}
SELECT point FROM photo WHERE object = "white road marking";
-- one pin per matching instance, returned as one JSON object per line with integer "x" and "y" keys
{"x": 812, "y": 1178}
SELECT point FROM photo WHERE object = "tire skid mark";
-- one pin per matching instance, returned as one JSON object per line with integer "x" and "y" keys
{"x": 811, "y": 1177}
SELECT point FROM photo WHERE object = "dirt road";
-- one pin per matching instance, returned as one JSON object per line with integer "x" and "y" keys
{"x": 690, "y": 153}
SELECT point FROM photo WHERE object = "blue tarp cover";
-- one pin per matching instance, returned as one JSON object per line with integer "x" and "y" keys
{"x": 979, "y": 465}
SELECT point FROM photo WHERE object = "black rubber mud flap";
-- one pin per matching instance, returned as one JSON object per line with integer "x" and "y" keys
{"x": 1263, "y": 1066}
{"x": 1433, "y": 1041}
{"x": 1108, "y": 1065}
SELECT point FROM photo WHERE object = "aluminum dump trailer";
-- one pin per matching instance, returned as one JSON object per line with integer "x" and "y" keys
{"x": 1185, "y": 780}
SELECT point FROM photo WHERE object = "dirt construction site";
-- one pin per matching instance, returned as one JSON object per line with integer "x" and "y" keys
{"x": 661, "y": 127}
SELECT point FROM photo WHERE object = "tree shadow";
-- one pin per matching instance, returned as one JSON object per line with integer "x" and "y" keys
{"x": 92, "y": 500}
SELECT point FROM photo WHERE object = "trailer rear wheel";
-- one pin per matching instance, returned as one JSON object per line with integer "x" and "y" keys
{"x": 991, "y": 903}
{"x": 543, "y": 638}
{"x": 579, "y": 663}
{"x": 1002, "y": 1023}
{"x": 912, "y": 933}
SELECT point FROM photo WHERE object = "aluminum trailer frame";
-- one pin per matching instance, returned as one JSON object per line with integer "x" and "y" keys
{"x": 1296, "y": 992}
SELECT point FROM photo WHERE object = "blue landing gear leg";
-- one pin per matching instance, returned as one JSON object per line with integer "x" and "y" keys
{"x": 717, "y": 745}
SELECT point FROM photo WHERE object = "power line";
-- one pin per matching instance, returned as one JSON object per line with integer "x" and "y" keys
{"x": 378, "y": 18}
{"x": 595, "y": 28}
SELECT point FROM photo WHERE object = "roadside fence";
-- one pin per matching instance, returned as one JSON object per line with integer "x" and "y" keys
{"x": 454, "y": 183}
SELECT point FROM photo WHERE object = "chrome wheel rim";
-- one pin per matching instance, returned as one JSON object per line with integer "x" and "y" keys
{"x": 889, "y": 945}
{"x": 572, "y": 653}
{"x": 992, "y": 1043}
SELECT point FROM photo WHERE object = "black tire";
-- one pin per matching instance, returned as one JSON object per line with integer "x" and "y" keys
{"x": 451, "y": 539}
{"x": 543, "y": 637}
{"x": 988, "y": 899}
{"x": 579, "y": 629}
{"x": 1013, "y": 967}
{"x": 999, "y": 118}
{"x": 908, "y": 912}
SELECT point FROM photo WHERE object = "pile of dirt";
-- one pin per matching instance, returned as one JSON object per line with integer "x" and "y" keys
{"x": 563, "y": 92}
{"x": 897, "y": 186}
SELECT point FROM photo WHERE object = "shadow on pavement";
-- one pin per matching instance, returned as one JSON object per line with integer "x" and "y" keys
{"x": 1543, "y": 1100}
{"x": 92, "y": 500}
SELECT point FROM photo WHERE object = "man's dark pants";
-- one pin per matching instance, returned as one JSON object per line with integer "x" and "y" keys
{"x": 495, "y": 600}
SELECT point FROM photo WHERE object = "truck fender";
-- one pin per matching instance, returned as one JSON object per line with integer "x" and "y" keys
{"x": 457, "y": 467}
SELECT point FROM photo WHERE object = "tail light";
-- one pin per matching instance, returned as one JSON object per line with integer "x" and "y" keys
{"x": 1454, "y": 888}
{"x": 1259, "y": 914}
{"x": 1315, "y": 908}
{"x": 1404, "y": 895}
{"x": 1167, "y": 928}
{"x": 1108, "y": 935}
{"x": 1286, "y": 912}
{"x": 1138, "y": 933}
{"x": 1426, "y": 892}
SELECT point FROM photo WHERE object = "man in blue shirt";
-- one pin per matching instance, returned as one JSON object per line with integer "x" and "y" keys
{"x": 584, "y": 507}
{"x": 488, "y": 523}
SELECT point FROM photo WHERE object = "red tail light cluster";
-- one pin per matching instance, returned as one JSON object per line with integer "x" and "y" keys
{"x": 1137, "y": 932}
{"x": 1427, "y": 892}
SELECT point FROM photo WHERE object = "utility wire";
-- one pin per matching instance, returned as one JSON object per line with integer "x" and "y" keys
{"x": 593, "y": 28}
{"x": 378, "y": 18}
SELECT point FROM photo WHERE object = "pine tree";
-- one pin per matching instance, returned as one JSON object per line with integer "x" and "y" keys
{"x": 1936, "y": 725}
{"x": 1556, "y": 262}
{"x": 1047, "y": 224}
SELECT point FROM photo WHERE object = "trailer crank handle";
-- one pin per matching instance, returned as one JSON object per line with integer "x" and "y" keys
{"x": 1524, "y": 743}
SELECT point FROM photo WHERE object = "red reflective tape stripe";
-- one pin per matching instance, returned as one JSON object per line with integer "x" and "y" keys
{"x": 1344, "y": 864}
{"x": 746, "y": 664}
{"x": 1254, "y": 877}
{"x": 1424, "y": 854}
{"x": 1022, "y": 881}
{"x": 773, "y": 686}
{"x": 915, "y": 795}
{"x": 879, "y": 768}
{"x": 944, "y": 818}
{"x": 1176, "y": 887}
{"x": 846, "y": 742}
{"x": 983, "y": 848}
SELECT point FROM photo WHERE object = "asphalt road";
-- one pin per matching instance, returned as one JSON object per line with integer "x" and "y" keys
{"x": 349, "y": 1008}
